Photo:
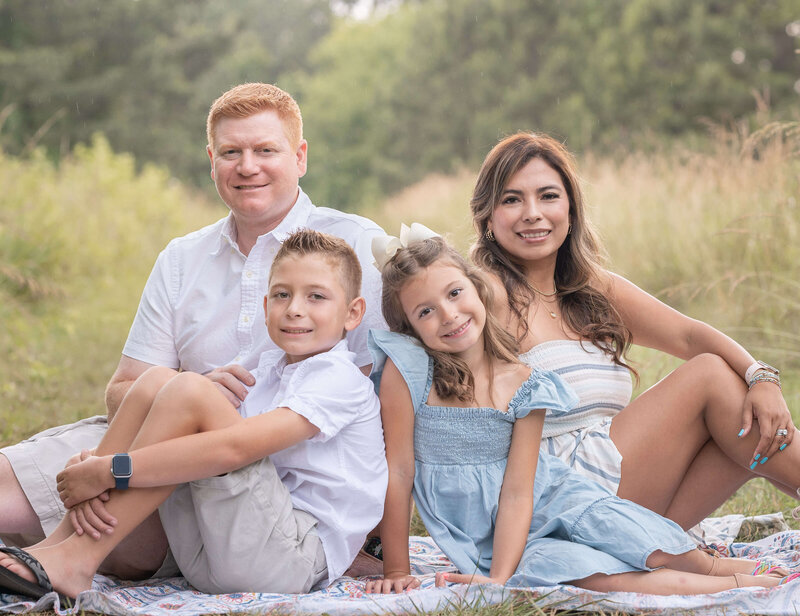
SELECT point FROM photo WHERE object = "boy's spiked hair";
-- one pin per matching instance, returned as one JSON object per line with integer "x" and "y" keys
{"x": 334, "y": 249}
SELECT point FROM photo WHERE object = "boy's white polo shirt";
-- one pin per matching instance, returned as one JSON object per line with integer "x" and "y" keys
{"x": 339, "y": 476}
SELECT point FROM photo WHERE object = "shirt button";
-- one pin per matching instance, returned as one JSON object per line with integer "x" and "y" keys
{"x": 237, "y": 359}
{"x": 249, "y": 274}
{"x": 246, "y": 319}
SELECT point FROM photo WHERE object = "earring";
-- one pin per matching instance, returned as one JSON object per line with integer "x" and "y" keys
{"x": 569, "y": 229}
{"x": 489, "y": 235}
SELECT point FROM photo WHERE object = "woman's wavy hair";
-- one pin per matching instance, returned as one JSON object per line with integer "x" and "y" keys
{"x": 451, "y": 375}
{"x": 584, "y": 307}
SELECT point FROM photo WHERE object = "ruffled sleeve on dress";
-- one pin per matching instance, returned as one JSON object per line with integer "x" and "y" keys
{"x": 410, "y": 358}
{"x": 543, "y": 390}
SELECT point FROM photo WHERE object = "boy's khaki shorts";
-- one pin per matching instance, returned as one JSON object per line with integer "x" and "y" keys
{"x": 240, "y": 533}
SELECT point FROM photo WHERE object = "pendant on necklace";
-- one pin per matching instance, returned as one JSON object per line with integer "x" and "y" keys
{"x": 553, "y": 315}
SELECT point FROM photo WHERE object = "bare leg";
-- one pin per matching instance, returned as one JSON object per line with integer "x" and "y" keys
{"x": 143, "y": 550}
{"x": 16, "y": 514}
{"x": 189, "y": 403}
{"x": 662, "y": 435}
{"x": 687, "y": 573}
{"x": 133, "y": 410}
{"x": 670, "y": 582}
{"x": 697, "y": 561}
{"x": 696, "y": 487}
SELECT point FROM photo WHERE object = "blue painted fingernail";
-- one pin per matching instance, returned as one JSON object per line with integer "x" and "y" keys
{"x": 753, "y": 465}
{"x": 764, "y": 459}
{"x": 783, "y": 447}
{"x": 757, "y": 456}
{"x": 740, "y": 432}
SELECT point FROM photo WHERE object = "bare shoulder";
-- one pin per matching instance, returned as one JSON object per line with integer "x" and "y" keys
{"x": 509, "y": 378}
{"x": 606, "y": 281}
{"x": 618, "y": 289}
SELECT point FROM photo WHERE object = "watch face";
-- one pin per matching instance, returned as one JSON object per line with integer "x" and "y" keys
{"x": 768, "y": 368}
{"x": 121, "y": 466}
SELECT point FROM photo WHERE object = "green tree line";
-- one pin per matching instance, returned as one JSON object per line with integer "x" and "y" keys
{"x": 422, "y": 87}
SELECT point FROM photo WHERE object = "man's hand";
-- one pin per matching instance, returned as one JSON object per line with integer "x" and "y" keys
{"x": 84, "y": 480}
{"x": 231, "y": 381}
{"x": 92, "y": 517}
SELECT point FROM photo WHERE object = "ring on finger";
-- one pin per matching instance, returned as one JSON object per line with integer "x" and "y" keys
{"x": 782, "y": 432}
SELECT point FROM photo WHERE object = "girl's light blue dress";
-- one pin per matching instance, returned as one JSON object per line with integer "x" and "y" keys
{"x": 579, "y": 528}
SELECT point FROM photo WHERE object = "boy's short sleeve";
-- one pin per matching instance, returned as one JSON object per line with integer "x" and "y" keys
{"x": 331, "y": 392}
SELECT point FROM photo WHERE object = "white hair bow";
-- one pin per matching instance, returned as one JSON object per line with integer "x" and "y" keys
{"x": 386, "y": 246}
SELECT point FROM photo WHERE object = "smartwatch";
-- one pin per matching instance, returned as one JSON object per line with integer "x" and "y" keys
{"x": 759, "y": 365}
{"x": 121, "y": 470}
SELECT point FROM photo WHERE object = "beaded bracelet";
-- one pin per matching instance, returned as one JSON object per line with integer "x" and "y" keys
{"x": 763, "y": 376}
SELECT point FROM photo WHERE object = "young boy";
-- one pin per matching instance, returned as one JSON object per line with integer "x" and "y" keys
{"x": 277, "y": 499}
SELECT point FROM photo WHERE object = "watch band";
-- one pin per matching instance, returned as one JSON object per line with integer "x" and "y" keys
{"x": 755, "y": 367}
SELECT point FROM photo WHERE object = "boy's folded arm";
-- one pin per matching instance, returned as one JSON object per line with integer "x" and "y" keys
{"x": 206, "y": 454}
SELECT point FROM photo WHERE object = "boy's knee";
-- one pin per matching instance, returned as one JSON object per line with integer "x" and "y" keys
{"x": 189, "y": 385}
{"x": 152, "y": 380}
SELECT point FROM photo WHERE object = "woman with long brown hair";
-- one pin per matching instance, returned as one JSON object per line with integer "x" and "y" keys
{"x": 685, "y": 445}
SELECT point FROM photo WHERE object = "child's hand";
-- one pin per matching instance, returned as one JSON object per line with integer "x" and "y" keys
{"x": 79, "y": 457}
{"x": 84, "y": 480}
{"x": 92, "y": 518}
{"x": 393, "y": 583}
{"x": 444, "y": 578}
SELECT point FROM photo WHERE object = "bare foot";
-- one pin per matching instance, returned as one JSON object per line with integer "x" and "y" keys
{"x": 64, "y": 572}
{"x": 767, "y": 581}
{"x": 732, "y": 566}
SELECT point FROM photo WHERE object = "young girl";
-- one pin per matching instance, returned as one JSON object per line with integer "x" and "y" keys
{"x": 463, "y": 421}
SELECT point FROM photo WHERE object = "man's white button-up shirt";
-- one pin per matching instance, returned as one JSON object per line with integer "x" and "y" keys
{"x": 202, "y": 306}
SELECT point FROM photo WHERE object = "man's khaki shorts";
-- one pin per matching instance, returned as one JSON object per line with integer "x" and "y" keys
{"x": 36, "y": 462}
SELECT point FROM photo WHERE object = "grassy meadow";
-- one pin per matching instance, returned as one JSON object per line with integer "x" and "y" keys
{"x": 715, "y": 232}
{"x": 77, "y": 242}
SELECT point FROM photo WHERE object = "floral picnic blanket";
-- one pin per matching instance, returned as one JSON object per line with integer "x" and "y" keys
{"x": 174, "y": 597}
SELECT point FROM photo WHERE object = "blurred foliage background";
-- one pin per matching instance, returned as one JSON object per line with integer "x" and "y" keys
{"x": 685, "y": 115}
{"x": 411, "y": 88}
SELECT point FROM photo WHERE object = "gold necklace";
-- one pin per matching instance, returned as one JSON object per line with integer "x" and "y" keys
{"x": 550, "y": 311}
{"x": 545, "y": 294}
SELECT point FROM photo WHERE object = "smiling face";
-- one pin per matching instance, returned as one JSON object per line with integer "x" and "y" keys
{"x": 307, "y": 308}
{"x": 444, "y": 309}
{"x": 531, "y": 220}
{"x": 256, "y": 169}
